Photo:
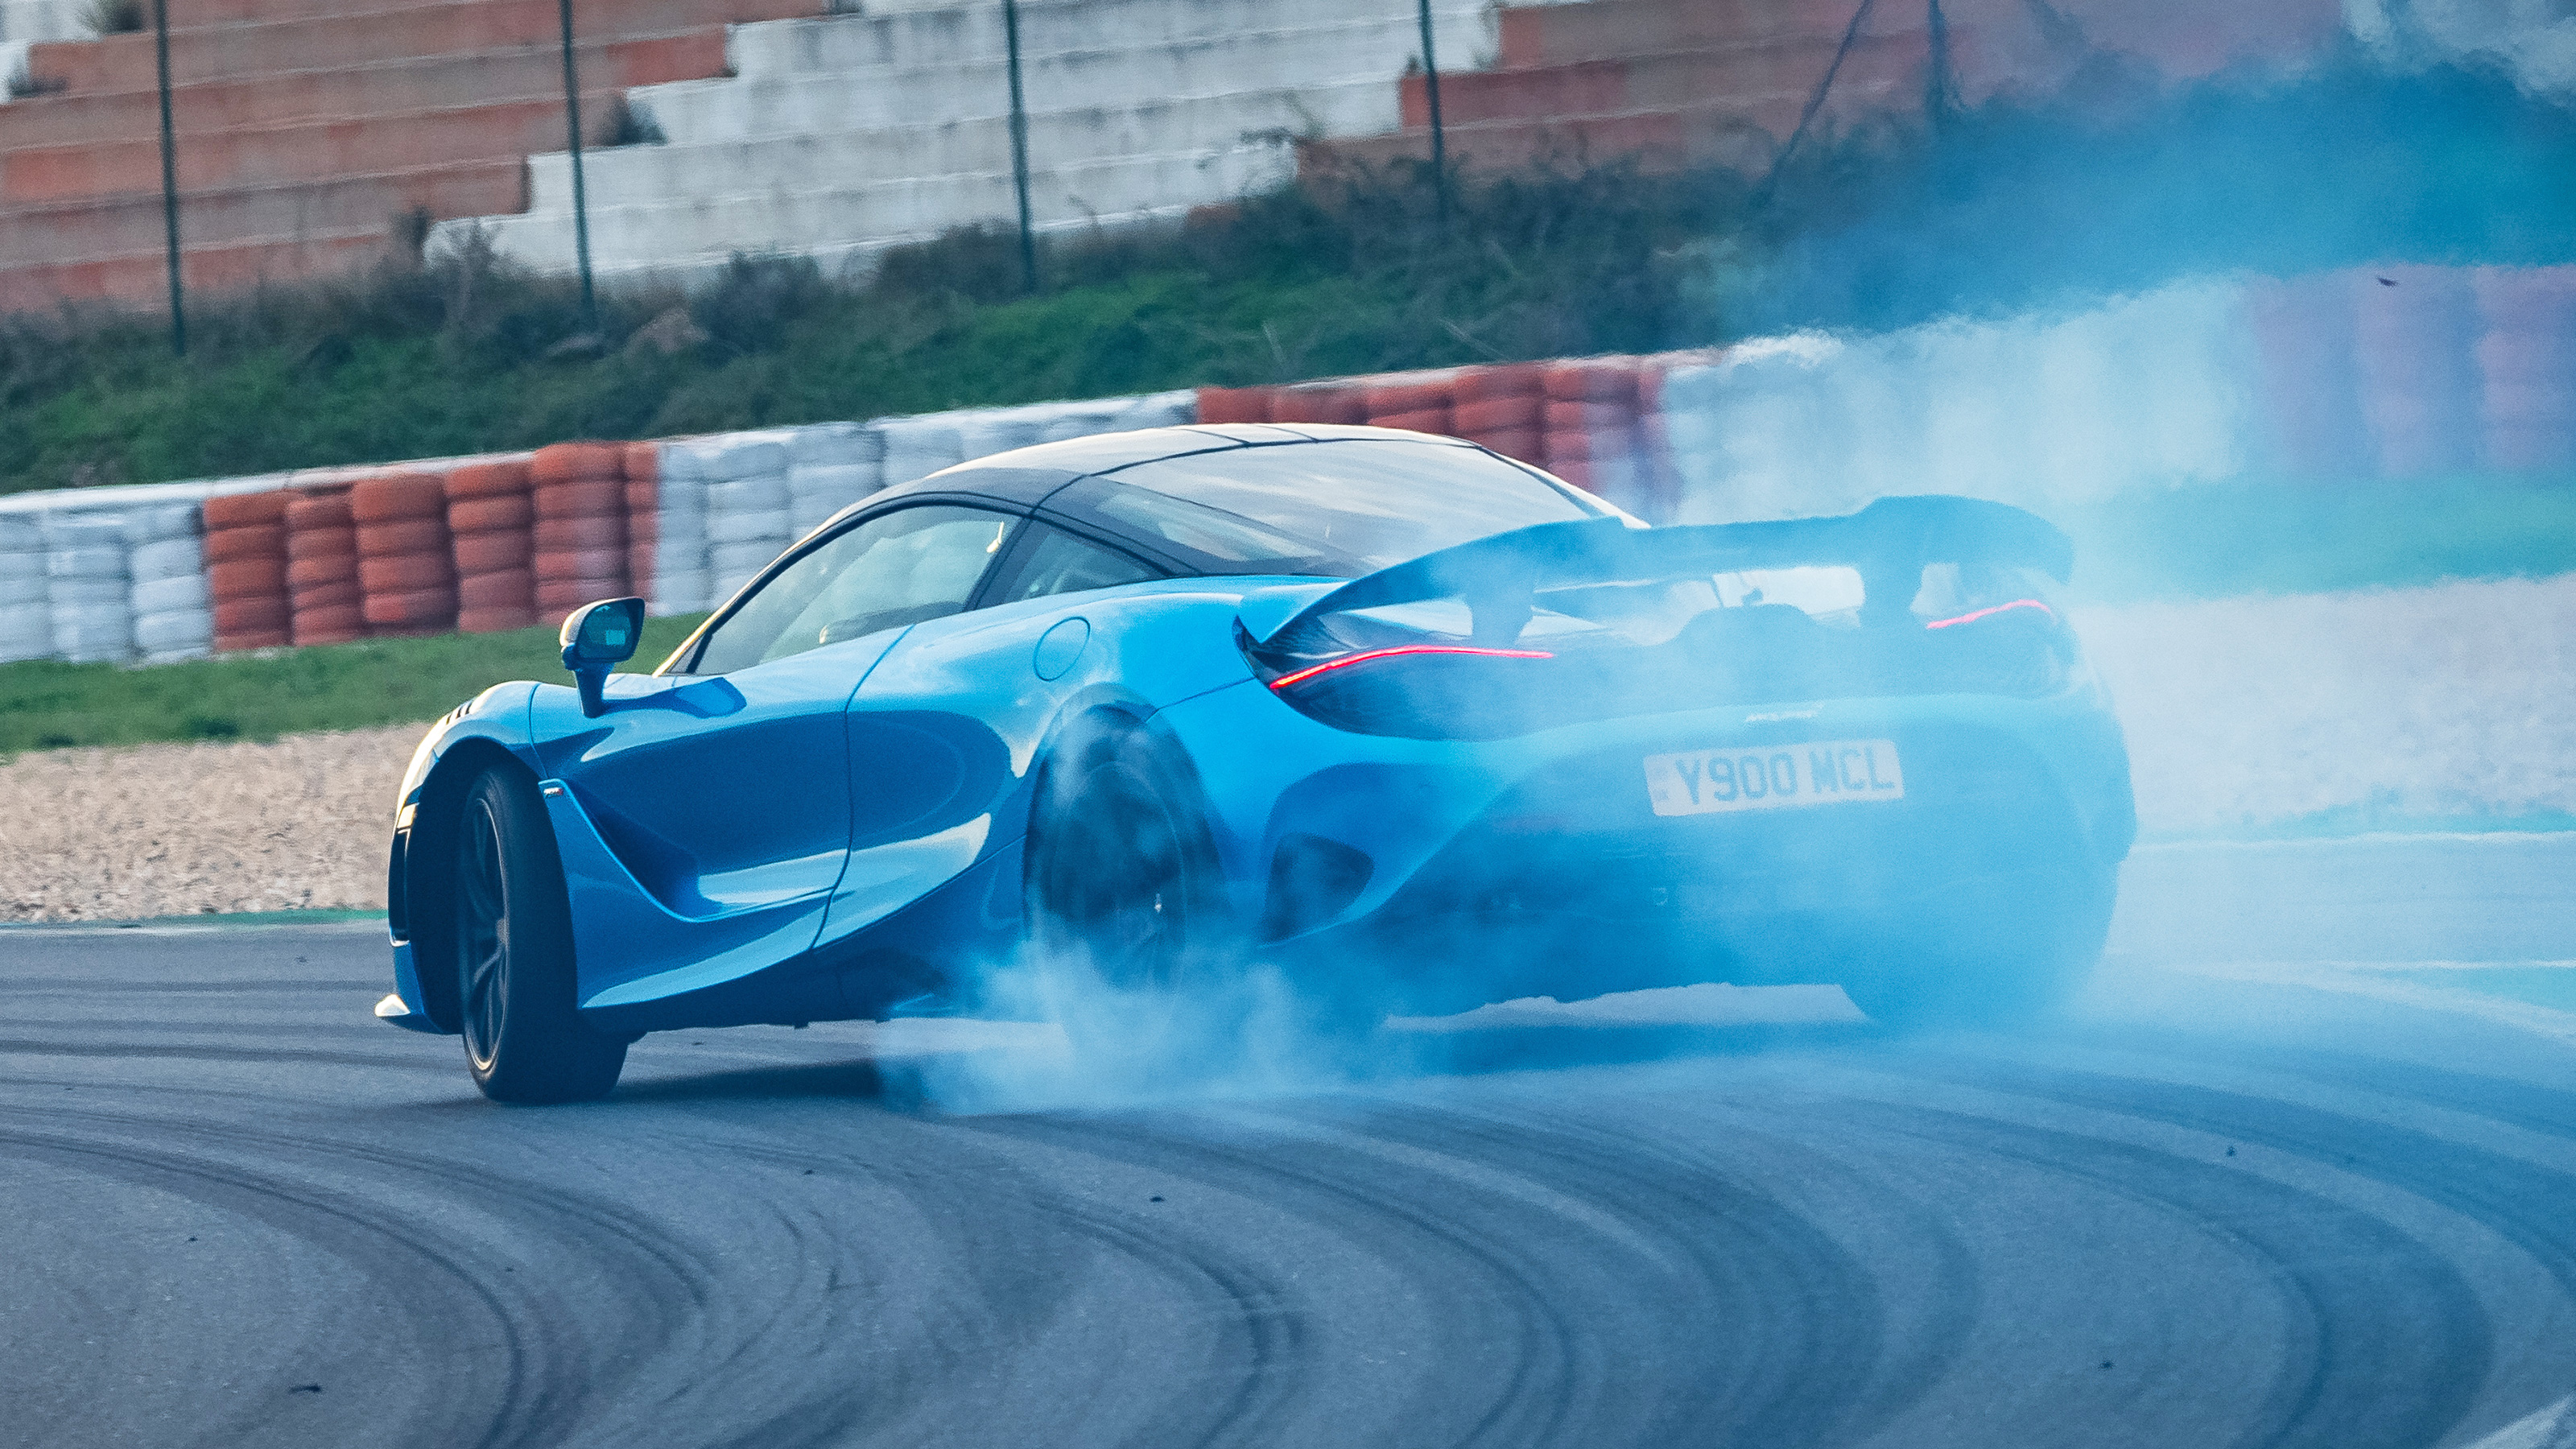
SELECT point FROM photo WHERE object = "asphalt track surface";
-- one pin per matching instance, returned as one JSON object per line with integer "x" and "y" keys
{"x": 2275, "y": 1181}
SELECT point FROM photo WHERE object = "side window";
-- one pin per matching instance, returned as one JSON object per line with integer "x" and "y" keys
{"x": 894, "y": 569}
{"x": 1052, "y": 561}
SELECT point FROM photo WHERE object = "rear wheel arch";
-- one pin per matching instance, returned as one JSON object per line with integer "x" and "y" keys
{"x": 1119, "y": 739}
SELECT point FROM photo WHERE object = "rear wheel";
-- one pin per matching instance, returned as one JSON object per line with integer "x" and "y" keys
{"x": 525, "y": 1040}
{"x": 1128, "y": 919}
{"x": 2003, "y": 965}
{"x": 1122, "y": 875}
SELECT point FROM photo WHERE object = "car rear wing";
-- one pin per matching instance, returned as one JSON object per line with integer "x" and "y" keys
{"x": 1888, "y": 542}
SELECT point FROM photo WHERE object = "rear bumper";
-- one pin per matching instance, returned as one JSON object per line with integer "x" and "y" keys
{"x": 1538, "y": 865}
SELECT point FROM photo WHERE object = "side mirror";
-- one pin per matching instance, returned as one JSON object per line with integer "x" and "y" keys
{"x": 597, "y": 637}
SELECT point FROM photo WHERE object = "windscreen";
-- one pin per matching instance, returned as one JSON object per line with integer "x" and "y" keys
{"x": 1340, "y": 509}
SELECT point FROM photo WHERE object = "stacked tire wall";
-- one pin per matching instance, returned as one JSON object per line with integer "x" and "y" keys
{"x": 1586, "y": 421}
{"x": 326, "y": 601}
{"x": 580, "y": 533}
{"x": 2526, "y": 356}
{"x": 491, "y": 521}
{"x": 173, "y": 615}
{"x": 748, "y": 521}
{"x": 245, "y": 551}
{"x": 406, "y": 560}
{"x": 641, "y": 464}
{"x": 26, "y": 609}
{"x": 88, "y": 588}
{"x": 1596, "y": 431}
{"x": 1505, "y": 409}
{"x": 679, "y": 584}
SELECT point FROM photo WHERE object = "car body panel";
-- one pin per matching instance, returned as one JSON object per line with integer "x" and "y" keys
{"x": 704, "y": 821}
{"x": 1399, "y": 801}
{"x": 945, "y": 731}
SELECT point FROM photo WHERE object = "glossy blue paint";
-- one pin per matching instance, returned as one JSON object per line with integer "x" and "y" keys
{"x": 1270, "y": 772}
{"x": 943, "y": 733}
{"x": 498, "y": 716}
{"x": 704, "y": 822}
{"x": 407, "y": 991}
{"x": 1060, "y": 647}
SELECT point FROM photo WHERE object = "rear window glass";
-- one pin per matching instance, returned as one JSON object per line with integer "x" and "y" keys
{"x": 1337, "y": 508}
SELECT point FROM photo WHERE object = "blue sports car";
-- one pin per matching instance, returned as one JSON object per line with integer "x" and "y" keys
{"x": 1412, "y": 724}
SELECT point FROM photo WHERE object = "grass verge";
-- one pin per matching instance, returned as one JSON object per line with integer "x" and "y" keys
{"x": 50, "y": 705}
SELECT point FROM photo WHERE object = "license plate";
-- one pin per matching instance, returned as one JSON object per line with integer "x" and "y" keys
{"x": 1831, "y": 772}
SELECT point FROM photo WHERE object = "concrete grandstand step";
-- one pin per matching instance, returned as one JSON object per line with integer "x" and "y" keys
{"x": 685, "y": 235}
{"x": 57, "y": 233}
{"x": 141, "y": 274}
{"x": 752, "y": 171}
{"x": 291, "y": 153}
{"x": 1741, "y": 132}
{"x": 950, "y": 34}
{"x": 523, "y": 73}
{"x": 454, "y": 27}
{"x": 1753, "y": 75}
{"x": 805, "y": 102}
{"x": 1536, "y": 35}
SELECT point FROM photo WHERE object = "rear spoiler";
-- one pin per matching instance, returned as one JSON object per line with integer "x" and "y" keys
{"x": 1889, "y": 541}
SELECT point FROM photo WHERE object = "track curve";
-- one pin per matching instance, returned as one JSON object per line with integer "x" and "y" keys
{"x": 2202, "y": 1211}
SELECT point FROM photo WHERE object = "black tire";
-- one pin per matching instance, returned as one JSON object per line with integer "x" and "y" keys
{"x": 1139, "y": 951}
{"x": 1121, "y": 873}
{"x": 525, "y": 1040}
{"x": 2003, "y": 966}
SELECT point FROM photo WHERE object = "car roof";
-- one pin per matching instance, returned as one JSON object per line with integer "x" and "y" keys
{"x": 1027, "y": 475}
{"x": 1042, "y": 477}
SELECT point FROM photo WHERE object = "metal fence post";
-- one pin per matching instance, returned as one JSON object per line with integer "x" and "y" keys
{"x": 1020, "y": 146}
{"x": 1940, "y": 83}
{"x": 580, "y": 198}
{"x": 169, "y": 180}
{"x": 1439, "y": 138}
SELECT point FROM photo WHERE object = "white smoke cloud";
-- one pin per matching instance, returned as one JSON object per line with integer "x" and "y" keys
{"x": 2534, "y": 40}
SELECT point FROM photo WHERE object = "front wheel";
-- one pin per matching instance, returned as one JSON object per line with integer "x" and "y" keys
{"x": 525, "y": 1040}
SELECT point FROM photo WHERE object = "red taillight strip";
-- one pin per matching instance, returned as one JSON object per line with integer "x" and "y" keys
{"x": 1997, "y": 609}
{"x": 1310, "y": 671}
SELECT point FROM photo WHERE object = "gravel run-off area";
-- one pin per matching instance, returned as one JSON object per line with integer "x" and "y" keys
{"x": 2242, "y": 714}
{"x": 169, "y": 830}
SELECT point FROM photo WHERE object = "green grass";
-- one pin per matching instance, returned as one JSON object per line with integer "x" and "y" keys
{"x": 469, "y": 355}
{"x": 49, "y": 705}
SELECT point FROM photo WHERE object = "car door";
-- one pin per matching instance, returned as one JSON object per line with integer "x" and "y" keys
{"x": 944, "y": 741}
{"x": 721, "y": 791}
